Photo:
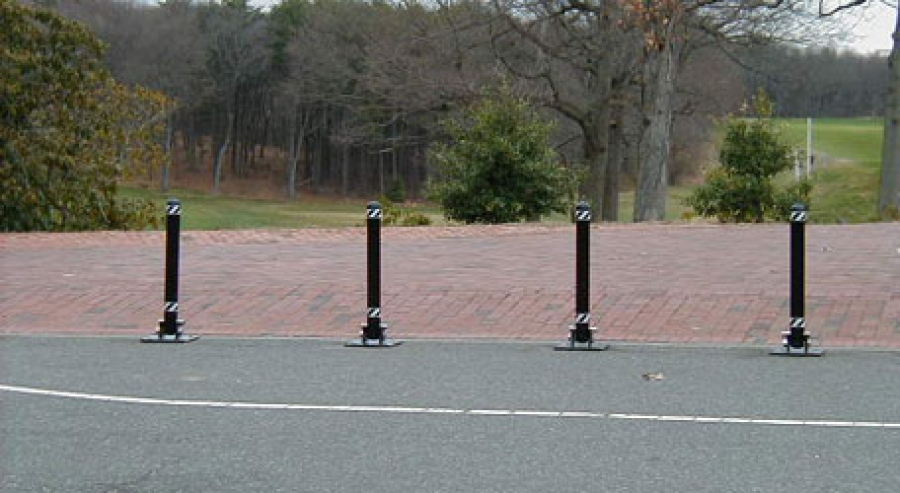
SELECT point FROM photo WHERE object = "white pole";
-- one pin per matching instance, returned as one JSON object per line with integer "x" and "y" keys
{"x": 809, "y": 146}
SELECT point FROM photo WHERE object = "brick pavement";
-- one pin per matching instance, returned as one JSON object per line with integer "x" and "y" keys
{"x": 660, "y": 283}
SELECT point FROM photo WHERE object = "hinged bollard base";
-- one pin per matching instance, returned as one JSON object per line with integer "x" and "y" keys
{"x": 573, "y": 345}
{"x": 384, "y": 342}
{"x": 787, "y": 350}
{"x": 161, "y": 337}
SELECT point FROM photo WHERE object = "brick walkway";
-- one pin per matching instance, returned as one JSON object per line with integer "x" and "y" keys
{"x": 697, "y": 283}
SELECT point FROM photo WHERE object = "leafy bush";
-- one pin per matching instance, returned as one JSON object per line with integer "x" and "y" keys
{"x": 415, "y": 219}
{"x": 394, "y": 215}
{"x": 742, "y": 188}
{"x": 67, "y": 129}
{"x": 499, "y": 166}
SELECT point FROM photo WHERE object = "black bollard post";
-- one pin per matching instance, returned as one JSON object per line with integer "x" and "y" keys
{"x": 171, "y": 327}
{"x": 373, "y": 332}
{"x": 795, "y": 341}
{"x": 581, "y": 335}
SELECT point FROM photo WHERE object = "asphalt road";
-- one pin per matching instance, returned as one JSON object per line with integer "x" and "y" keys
{"x": 307, "y": 415}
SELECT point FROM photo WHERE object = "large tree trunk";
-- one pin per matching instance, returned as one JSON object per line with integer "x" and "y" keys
{"x": 610, "y": 210}
{"x": 889, "y": 194}
{"x": 596, "y": 140}
{"x": 650, "y": 196}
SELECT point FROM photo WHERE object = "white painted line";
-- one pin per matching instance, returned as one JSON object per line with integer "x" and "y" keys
{"x": 439, "y": 410}
{"x": 677, "y": 418}
{"x": 642, "y": 417}
{"x": 581, "y": 414}
{"x": 490, "y": 412}
{"x": 544, "y": 414}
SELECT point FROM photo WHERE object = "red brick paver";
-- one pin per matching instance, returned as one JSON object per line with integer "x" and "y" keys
{"x": 665, "y": 283}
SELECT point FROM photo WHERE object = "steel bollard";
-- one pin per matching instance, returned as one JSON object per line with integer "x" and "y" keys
{"x": 373, "y": 332}
{"x": 581, "y": 334}
{"x": 795, "y": 341}
{"x": 171, "y": 328}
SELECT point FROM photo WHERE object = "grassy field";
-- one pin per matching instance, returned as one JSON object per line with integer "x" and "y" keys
{"x": 847, "y": 168}
{"x": 209, "y": 212}
{"x": 845, "y": 179}
{"x": 203, "y": 211}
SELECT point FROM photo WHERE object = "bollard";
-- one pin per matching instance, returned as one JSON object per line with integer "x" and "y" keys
{"x": 373, "y": 332}
{"x": 795, "y": 341}
{"x": 171, "y": 327}
{"x": 581, "y": 334}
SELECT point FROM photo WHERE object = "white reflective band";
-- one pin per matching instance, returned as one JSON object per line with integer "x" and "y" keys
{"x": 798, "y": 217}
{"x": 798, "y": 323}
{"x": 374, "y": 312}
{"x": 374, "y": 213}
{"x": 583, "y": 318}
{"x": 171, "y": 306}
{"x": 583, "y": 215}
{"x": 173, "y": 210}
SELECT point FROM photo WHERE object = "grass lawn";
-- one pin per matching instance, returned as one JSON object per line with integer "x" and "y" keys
{"x": 203, "y": 211}
{"x": 846, "y": 183}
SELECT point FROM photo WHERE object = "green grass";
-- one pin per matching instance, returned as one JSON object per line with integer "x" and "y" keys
{"x": 203, "y": 211}
{"x": 846, "y": 184}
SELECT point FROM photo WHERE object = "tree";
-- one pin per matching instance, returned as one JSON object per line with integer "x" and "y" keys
{"x": 889, "y": 191}
{"x": 577, "y": 62}
{"x": 664, "y": 32}
{"x": 63, "y": 132}
{"x": 238, "y": 63}
{"x": 499, "y": 166}
{"x": 742, "y": 190}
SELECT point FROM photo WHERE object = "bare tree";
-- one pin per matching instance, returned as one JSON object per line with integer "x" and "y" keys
{"x": 576, "y": 61}
{"x": 237, "y": 58}
{"x": 889, "y": 191}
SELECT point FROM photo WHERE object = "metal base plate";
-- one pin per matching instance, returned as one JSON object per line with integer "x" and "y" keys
{"x": 374, "y": 343}
{"x": 169, "y": 338}
{"x": 582, "y": 346}
{"x": 789, "y": 351}
{"x": 363, "y": 342}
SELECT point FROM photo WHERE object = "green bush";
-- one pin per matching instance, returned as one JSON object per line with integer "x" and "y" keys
{"x": 415, "y": 219}
{"x": 394, "y": 215}
{"x": 742, "y": 188}
{"x": 499, "y": 166}
{"x": 65, "y": 127}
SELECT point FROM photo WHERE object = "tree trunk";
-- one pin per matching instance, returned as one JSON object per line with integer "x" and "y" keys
{"x": 889, "y": 193}
{"x": 191, "y": 143}
{"x": 345, "y": 170}
{"x": 596, "y": 141}
{"x": 293, "y": 154}
{"x": 610, "y": 210}
{"x": 217, "y": 166}
{"x": 650, "y": 196}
